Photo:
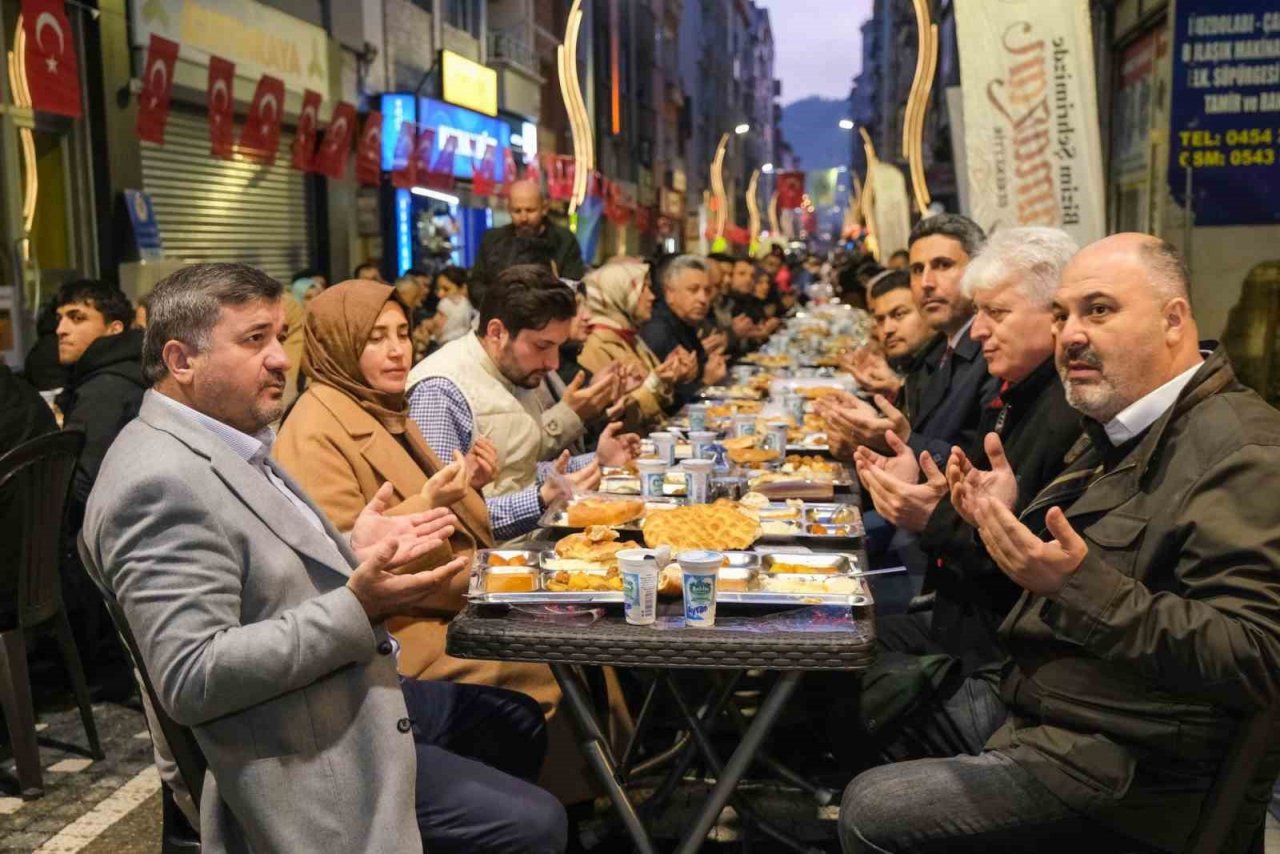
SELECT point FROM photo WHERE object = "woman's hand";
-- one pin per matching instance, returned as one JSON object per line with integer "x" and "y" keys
{"x": 449, "y": 485}
{"x": 482, "y": 463}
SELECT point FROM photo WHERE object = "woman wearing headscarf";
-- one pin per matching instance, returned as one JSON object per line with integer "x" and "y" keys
{"x": 620, "y": 300}
{"x": 350, "y": 433}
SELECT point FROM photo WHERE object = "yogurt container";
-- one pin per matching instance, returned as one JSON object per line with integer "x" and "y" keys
{"x": 652, "y": 472}
{"x": 697, "y": 417}
{"x": 697, "y": 481}
{"x": 744, "y": 425}
{"x": 664, "y": 446}
{"x": 700, "y": 442}
{"x": 793, "y": 402}
{"x": 639, "y": 568}
{"x": 775, "y": 437}
{"x": 699, "y": 571}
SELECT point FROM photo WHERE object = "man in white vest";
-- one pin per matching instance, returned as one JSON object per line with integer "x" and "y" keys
{"x": 487, "y": 385}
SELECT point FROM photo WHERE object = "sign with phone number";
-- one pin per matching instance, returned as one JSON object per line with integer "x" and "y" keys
{"x": 1225, "y": 122}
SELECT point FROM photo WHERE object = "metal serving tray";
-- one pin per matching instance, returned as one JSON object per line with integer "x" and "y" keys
{"x": 556, "y": 519}
{"x": 831, "y": 531}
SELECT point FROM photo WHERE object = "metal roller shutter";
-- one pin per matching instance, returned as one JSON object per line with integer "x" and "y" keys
{"x": 227, "y": 210}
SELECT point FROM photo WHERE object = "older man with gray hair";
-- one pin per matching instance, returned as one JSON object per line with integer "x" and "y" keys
{"x": 1011, "y": 281}
{"x": 686, "y": 299}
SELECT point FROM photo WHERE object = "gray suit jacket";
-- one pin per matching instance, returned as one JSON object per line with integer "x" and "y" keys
{"x": 252, "y": 639}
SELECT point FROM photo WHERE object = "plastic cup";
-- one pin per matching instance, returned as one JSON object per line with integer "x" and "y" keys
{"x": 744, "y": 425}
{"x": 664, "y": 445}
{"x": 775, "y": 437}
{"x": 794, "y": 404}
{"x": 699, "y": 571}
{"x": 700, "y": 443}
{"x": 697, "y": 481}
{"x": 697, "y": 417}
{"x": 639, "y": 568}
{"x": 652, "y": 472}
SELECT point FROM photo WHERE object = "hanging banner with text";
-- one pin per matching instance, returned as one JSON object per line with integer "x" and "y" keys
{"x": 1033, "y": 151}
{"x": 1224, "y": 129}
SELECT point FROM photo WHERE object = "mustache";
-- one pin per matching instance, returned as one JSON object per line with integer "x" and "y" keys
{"x": 277, "y": 380}
{"x": 1083, "y": 354}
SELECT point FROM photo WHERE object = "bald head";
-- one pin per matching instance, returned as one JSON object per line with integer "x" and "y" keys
{"x": 1123, "y": 323}
{"x": 527, "y": 207}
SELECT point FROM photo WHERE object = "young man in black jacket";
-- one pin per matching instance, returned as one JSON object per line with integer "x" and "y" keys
{"x": 952, "y": 654}
{"x": 104, "y": 387}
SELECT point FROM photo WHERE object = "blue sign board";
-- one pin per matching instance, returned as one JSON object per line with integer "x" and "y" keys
{"x": 472, "y": 132}
{"x": 1225, "y": 122}
{"x": 146, "y": 231}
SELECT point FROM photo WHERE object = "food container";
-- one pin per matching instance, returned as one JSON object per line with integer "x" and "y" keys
{"x": 809, "y": 564}
{"x": 793, "y": 404}
{"x": 639, "y": 569}
{"x": 697, "y": 419}
{"x": 775, "y": 437}
{"x": 699, "y": 572}
{"x": 744, "y": 425}
{"x": 700, "y": 442}
{"x": 697, "y": 476}
{"x": 664, "y": 446}
{"x": 652, "y": 475}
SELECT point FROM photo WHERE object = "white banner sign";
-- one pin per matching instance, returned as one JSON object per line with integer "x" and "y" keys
{"x": 1031, "y": 115}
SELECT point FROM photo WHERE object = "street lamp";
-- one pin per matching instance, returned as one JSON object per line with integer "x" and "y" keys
{"x": 767, "y": 168}
{"x": 846, "y": 124}
{"x": 742, "y": 128}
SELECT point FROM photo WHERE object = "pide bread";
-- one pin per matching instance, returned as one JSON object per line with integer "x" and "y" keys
{"x": 603, "y": 511}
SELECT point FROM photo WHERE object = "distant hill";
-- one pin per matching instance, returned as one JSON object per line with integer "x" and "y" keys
{"x": 810, "y": 126}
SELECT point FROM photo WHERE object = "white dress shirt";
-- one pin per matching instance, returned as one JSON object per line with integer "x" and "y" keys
{"x": 1145, "y": 411}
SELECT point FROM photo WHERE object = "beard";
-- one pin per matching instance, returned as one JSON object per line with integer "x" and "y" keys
{"x": 516, "y": 375}
{"x": 1107, "y": 396}
{"x": 224, "y": 400}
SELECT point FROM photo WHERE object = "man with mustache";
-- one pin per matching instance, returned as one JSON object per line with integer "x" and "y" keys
{"x": 958, "y": 384}
{"x": 894, "y": 368}
{"x": 1029, "y": 427}
{"x": 1149, "y": 623}
{"x": 528, "y": 233}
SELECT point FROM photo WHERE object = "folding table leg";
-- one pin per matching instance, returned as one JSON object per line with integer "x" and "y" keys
{"x": 599, "y": 757}
{"x": 741, "y": 759}
{"x": 710, "y": 711}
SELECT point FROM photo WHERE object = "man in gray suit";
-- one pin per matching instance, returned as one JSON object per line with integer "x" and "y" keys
{"x": 260, "y": 635}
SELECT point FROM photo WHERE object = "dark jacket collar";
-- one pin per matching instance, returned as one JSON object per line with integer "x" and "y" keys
{"x": 1032, "y": 384}
{"x": 913, "y": 360}
{"x": 118, "y": 354}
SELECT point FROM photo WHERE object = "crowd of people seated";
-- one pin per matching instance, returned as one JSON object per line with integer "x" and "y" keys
{"x": 283, "y": 486}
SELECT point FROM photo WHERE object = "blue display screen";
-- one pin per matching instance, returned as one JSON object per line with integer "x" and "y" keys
{"x": 472, "y": 131}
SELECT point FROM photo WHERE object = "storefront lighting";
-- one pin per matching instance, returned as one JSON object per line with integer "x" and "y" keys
{"x": 753, "y": 206}
{"x": 719, "y": 197}
{"x": 741, "y": 129}
{"x": 918, "y": 102}
{"x": 434, "y": 194}
{"x": 404, "y": 211}
{"x": 584, "y": 158}
{"x": 846, "y": 124}
{"x": 767, "y": 168}
{"x": 22, "y": 98}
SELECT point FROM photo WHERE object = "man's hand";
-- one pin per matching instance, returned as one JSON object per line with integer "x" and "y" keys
{"x": 1040, "y": 567}
{"x": 742, "y": 326}
{"x": 384, "y": 594}
{"x": 893, "y": 487}
{"x": 482, "y": 462}
{"x": 873, "y": 373}
{"x": 969, "y": 483}
{"x": 715, "y": 370}
{"x": 689, "y": 365}
{"x": 587, "y": 478}
{"x": 589, "y": 402}
{"x": 413, "y": 535}
{"x": 673, "y": 367}
{"x": 615, "y": 448}
{"x": 631, "y": 375}
{"x": 771, "y": 325}
{"x": 715, "y": 343}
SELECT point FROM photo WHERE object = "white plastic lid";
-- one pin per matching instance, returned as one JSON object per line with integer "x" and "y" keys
{"x": 700, "y": 561}
{"x": 699, "y": 466}
{"x": 651, "y": 465}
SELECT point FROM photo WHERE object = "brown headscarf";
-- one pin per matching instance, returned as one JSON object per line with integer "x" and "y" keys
{"x": 337, "y": 328}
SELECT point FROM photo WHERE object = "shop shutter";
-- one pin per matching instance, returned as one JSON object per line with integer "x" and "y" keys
{"x": 227, "y": 210}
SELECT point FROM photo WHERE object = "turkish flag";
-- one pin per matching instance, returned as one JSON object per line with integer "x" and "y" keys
{"x": 420, "y": 163}
{"x": 483, "y": 182}
{"x": 331, "y": 159}
{"x": 303, "y": 153}
{"x": 260, "y": 136}
{"x": 737, "y": 234}
{"x": 402, "y": 170}
{"x": 509, "y": 175}
{"x": 790, "y": 190}
{"x": 222, "y": 106}
{"x": 560, "y": 175}
{"x": 440, "y": 176}
{"x": 157, "y": 87}
{"x": 369, "y": 151}
{"x": 53, "y": 73}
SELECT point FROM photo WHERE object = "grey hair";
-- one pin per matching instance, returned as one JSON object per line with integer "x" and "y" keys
{"x": 1032, "y": 255}
{"x": 1166, "y": 269}
{"x": 956, "y": 226}
{"x": 186, "y": 304}
{"x": 681, "y": 264}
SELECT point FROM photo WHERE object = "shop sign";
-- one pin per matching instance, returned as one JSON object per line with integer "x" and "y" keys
{"x": 1226, "y": 96}
{"x": 468, "y": 84}
{"x": 464, "y": 133}
{"x": 146, "y": 231}
{"x": 257, "y": 38}
{"x": 1131, "y": 107}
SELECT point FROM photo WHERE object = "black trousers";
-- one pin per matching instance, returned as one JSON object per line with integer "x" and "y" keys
{"x": 479, "y": 751}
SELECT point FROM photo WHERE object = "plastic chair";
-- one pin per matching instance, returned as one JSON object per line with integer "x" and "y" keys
{"x": 36, "y": 477}
{"x": 178, "y": 835}
{"x": 1233, "y": 818}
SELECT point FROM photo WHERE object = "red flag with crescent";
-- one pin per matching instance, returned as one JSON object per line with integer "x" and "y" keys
{"x": 402, "y": 171}
{"x": 790, "y": 190}
{"x": 260, "y": 136}
{"x": 509, "y": 175}
{"x": 222, "y": 106}
{"x": 483, "y": 182}
{"x": 331, "y": 158}
{"x": 157, "y": 87}
{"x": 369, "y": 150}
{"x": 303, "y": 151}
{"x": 423, "y": 152}
{"x": 53, "y": 71}
{"x": 440, "y": 176}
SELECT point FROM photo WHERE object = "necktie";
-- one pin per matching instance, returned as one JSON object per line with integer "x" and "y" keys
{"x": 946, "y": 357}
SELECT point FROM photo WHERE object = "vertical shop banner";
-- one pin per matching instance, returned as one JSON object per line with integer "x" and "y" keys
{"x": 1224, "y": 131}
{"x": 402, "y": 170}
{"x": 222, "y": 106}
{"x": 891, "y": 208}
{"x": 331, "y": 157}
{"x": 260, "y": 136}
{"x": 368, "y": 150}
{"x": 303, "y": 151}
{"x": 1032, "y": 144}
{"x": 790, "y": 189}
{"x": 53, "y": 71}
{"x": 157, "y": 88}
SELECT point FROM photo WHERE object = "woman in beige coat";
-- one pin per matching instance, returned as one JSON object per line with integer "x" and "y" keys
{"x": 350, "y": 432}
{"x": 620, "y": 300}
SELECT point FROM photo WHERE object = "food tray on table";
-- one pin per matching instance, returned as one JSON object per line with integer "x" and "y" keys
{"x": 730, "y": 392}
{"x": 820, "y": 525}
{"x": 556, "y": 519}
{"x": 539, "y": 577}
{"x": 620, "y": 482}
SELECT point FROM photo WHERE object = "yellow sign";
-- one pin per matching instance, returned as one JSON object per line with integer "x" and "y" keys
{"x": 469, "y": 84}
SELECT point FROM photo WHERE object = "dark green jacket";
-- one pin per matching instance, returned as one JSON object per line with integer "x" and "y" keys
{"x": 1130, "y": 681}
{"x": 501, "y": 248}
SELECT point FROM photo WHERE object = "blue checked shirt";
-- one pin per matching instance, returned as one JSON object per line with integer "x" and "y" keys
{"x": 444, "y": 417}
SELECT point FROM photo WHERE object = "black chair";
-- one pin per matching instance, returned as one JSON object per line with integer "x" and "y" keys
{"x": 35, "y": 478}
{"x": 1234, "y": 816}
{"x": 178, "y": 835}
